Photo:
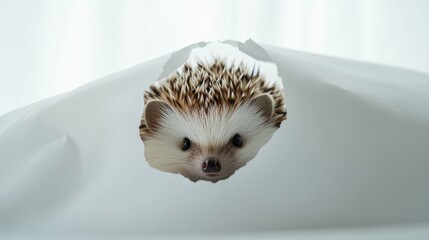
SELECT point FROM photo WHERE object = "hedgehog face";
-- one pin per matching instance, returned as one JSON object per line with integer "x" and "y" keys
{"x": 208, "y": 119}
{"x": 207, "y": 144}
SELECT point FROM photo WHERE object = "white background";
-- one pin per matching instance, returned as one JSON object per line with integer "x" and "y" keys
{"x": 48, "y": 47}
{"x": 353, "y": 153}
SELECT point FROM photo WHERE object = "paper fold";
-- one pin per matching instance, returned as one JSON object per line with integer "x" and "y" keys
{"x": 353, "y": 152}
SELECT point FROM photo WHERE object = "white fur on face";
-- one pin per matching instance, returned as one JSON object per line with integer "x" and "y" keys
{"x": 210, "y": 135}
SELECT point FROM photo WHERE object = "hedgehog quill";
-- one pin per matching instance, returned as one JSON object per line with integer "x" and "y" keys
{"x": 208, "y": 119}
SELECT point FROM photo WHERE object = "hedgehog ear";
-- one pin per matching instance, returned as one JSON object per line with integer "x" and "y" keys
{"x": 153, "y": 113}
{"x": 265, "y": 104}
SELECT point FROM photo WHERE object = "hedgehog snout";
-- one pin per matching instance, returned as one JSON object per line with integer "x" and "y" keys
{"x": 211, "y": 165}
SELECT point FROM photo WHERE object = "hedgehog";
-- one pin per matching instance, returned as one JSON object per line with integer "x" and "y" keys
{"x": 208, "y": 120}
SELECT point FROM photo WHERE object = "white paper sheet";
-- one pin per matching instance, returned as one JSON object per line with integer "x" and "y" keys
{"x": 354, "y": 151}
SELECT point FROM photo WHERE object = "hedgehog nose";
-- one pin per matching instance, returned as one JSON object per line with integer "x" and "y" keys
{"x": 211, "y": 165}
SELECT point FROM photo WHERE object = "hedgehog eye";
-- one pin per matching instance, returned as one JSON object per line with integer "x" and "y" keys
{"x": 186, "y": 144}
{"x": 237, "y": 141}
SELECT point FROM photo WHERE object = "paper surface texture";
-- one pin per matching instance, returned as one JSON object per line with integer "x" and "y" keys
{"x": 353, "y": 152}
